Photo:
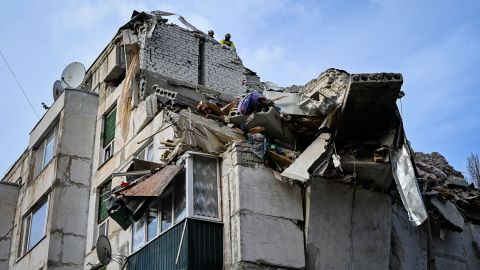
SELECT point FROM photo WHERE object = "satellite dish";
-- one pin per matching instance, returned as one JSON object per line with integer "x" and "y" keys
{"x": 73, "y": 75}
{"x": 104, "y": 250}
{"x": 57, "y": 89}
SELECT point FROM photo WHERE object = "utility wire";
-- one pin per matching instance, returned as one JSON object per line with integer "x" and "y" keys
{"x": 5, "y": 236}
{"x": 19, "y": 85}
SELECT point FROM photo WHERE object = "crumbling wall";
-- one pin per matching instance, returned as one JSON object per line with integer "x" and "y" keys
{"x": 183, "y": 55}
{"x": 224, "y": 70}
{"x": 346, "y": 228}
{"x": 262, "y": 216}
{"x": 172, "y": 51}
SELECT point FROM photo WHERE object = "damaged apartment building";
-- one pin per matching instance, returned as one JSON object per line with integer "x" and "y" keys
{"x": 172, "y": 155}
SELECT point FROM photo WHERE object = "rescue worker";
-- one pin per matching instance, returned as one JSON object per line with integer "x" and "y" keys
{"x": 227, "y": 41}
{"x": 211, "y": 33}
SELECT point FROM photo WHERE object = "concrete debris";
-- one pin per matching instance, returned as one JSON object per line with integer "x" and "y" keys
{"x": 206, "y": 134}
{"x": 288, "y": 102}
{"x": 298, "y": 171}
{"x": 450, "y": 213}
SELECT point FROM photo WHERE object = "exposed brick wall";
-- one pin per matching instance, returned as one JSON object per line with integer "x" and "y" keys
{"x": 175, "y": 52}
{"x": 224, "y": 70}
{"x": 172, "y": 51}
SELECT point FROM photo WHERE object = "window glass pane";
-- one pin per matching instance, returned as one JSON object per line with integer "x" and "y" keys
{"x": 167, "y": 212}
{"x": 103, "y": 228}
{"x": 37, "y": 228}
{"x": 205, "y": 193}
{"x": 149, "y": 156}
{"x": 103, "y": 195}
{"x": 138, "y": 234}
{"x": 152, "y": 223}
{"x": 25, "y": 233}
{"x": 109, "y": 127}
{"x": 141, "y": 155}
{"x": 39, "y": 159}
{"x": 49, "y": 148}
{"x": 179, "y": 197}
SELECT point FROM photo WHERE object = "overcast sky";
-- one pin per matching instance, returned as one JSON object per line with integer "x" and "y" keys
{"x": 434, "y": 44}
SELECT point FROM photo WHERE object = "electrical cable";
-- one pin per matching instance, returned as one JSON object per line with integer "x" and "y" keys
{"x": 19, "y": 85}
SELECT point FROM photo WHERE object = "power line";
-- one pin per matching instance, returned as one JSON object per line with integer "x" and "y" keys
{"x": 19, "y": 85}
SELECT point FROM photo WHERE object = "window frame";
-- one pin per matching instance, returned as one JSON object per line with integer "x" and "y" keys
{"x": 43, "y": 146}
{"x": 189, "y": 187}
{"x": 187, "y": 159}
{"x": 146, "y": 151}
{"x": 158, "y": 203}
{"x": 105, "y": 222}
{"x": 110, "y": 146}
{"x": 26, "y": 229}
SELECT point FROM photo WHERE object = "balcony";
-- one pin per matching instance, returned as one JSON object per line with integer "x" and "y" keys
{"x": 190, "y": 244}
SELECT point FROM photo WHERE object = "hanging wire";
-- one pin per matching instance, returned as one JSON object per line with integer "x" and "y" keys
{"x": 19, "y": 84}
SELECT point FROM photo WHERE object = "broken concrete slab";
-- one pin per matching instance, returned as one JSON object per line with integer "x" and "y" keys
{"x": 450, "y": 212}
{"x": 298, "y": 171}
{"x": 274, "y": 128}
{"x": 207, "y": 134}
{"x": 368, "y": 107}
{"x": 287, "y": 102}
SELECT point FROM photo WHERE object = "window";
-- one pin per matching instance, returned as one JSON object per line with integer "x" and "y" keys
{"x": 45, "y": 153}
{"x": 34, "y": 227}
{"x": 138, "y": 234}
{"x": 205, "y": 186}
{"x": 109, "y": 134}
{"x": 162, "y": 214}
{"x": 103, "y": 196}
{"x": 147, "y": 153}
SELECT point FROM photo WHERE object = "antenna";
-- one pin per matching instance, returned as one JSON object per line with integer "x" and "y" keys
{"x": 104, "y": 250}
{"x": 57, "y": 89}
{"x": 73, "y": 75}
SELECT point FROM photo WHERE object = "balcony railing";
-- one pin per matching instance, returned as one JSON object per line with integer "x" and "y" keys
{"x": 201, "y": 248}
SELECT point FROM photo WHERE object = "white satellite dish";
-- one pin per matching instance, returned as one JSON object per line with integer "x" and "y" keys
{"x": 73, "y": 75}
{"x": 57, "y": 89}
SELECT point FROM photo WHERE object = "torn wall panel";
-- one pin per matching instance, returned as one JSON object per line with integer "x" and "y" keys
{"x": 404, "y": 175}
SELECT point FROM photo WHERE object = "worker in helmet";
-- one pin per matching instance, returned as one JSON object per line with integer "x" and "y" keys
{"x": 227, "y": 41}
{"x": 211, "y": 33}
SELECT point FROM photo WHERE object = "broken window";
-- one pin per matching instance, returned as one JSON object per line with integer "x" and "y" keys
{"x": 34, "y": 227}
{"x": 109, "y": 134}
{"x": 103, "y": 199}
{"x": 44, "y": 153}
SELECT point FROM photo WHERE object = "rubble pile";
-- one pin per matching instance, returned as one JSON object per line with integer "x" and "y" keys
{"x": 452, "y": 200}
